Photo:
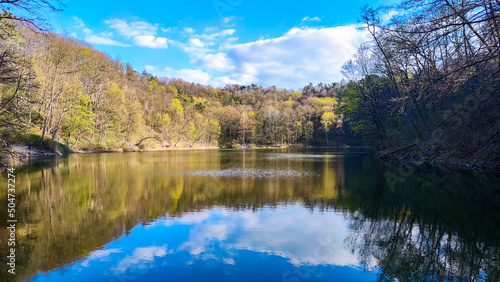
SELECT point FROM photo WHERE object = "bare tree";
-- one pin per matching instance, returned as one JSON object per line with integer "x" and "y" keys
{"x": 436, "y": 67}
{"x": 29, "y": 12}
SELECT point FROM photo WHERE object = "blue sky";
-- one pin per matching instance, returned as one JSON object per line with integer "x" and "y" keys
{"x": 283, "y": 43}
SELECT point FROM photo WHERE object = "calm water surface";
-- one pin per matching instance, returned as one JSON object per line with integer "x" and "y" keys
{"x": 251, "y": 215}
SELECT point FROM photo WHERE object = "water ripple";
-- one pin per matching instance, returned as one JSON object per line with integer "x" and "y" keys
{"x": 302, "y": 156}
{"x": 248, "y": 173}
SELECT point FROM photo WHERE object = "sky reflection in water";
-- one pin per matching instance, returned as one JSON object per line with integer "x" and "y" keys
{"x": 276, "y": 244}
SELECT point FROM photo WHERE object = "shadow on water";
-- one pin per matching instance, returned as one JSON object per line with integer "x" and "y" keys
{"x": 431, "y": 225}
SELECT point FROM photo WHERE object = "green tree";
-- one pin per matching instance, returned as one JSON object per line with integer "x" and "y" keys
{"x": 79, "y": 121}
{"x": 328, "y": 120}
{"x": 309, "y": 131}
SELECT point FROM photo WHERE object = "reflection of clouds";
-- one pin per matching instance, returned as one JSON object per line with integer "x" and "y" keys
{"x": 193, "y": 217}
{"x": 198, "y": 241}
{"x": 100, "y": 255}
{"x": 103, "y": 253}
{"x": 186, "y": 218}
{"x": 250, "y": 219}
{"x": 141, "y": 258}
{"x": 224, "y": 239}
{"x": 218, "y": 231}
{"x": 228, "y": 261}
{"x": 293, "y": 233}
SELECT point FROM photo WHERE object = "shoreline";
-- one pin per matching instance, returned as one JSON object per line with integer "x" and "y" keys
{"x": 121, "y": 150}
{"x": 23, "y": 153}
{"x": 438, "y": 163}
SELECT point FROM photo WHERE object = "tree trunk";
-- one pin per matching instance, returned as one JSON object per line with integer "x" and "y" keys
{"x": 49, "y": 112}
{"x": 59, "y": 122}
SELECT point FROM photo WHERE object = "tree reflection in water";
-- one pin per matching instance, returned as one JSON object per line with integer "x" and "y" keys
{"x": 437, "y": 225}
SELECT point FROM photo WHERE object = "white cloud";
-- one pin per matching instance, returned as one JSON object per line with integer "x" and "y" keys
{"x": 314, "y": 19}
{"x": 191, "y": 75}
{"x": 223, "y": 33}
{"x": 225, "y": 80}
{"x": 386, "y": 18}
{"x": 106, "y": 34}
{"x": 238, "y": 78}
{"x": 81, "y": 25}
{"x": 199, "y": 50}
{"x": 218, "y": 61}
{"x": 169, "y": 29}
{"x": 188, "y": 30}
{"x": 161, "y": 72}
{"x": 300, "y": 56}
{"x": 99, "y": 40}
{"x": 150, "y": 41}
{"x": 196, "y": 42}
{"x": 79, "y": 22}
{"x": 227, "y": 32}
{"x": 228, "y": 19}
{"x": 133, "y": 29}
{"x": 142, "y": 33}
{"x": 87, "y": 31}
{"x": 150, "y": 68}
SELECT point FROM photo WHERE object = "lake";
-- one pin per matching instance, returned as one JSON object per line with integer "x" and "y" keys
{"x": 251, "y": 215}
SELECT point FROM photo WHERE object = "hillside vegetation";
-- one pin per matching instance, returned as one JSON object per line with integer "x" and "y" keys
{"x": 58, "y": 88}
{"x": 424, "y": 87}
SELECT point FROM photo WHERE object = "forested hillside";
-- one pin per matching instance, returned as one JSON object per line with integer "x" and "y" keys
{"x": 60, "y": 89}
